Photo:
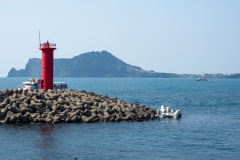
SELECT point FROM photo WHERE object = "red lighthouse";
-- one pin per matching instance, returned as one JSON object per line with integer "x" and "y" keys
{"x": 47, "y": 65}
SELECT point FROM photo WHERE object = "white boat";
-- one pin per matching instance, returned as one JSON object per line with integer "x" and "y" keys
{"x": 30, "y": 84}
{"x": 201, "y": 79}
{"x": 35, "y": 84}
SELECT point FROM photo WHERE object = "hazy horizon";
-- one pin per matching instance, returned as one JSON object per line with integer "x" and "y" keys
{"x": 183, "y": 37}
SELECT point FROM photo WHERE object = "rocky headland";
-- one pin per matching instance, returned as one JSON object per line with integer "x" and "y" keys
{"x": 54, "y": 106}
{"x": 89, "y": 65}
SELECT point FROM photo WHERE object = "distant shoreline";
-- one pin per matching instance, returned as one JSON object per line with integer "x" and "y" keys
{"x": 225, "y": 76}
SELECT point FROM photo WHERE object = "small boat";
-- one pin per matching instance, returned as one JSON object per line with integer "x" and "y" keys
{"x": 166, "y": 112}
{"x": 201, "y": 79}
{"x": 35, "y": 84}
{"x": 60, "y": 85}
{"x": 30, "y": 84}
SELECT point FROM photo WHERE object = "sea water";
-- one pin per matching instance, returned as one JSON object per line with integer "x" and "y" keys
{"x": 209, "y": 127}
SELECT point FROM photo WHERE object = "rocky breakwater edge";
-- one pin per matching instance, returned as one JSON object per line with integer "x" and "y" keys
{"x": 54, "y": 106}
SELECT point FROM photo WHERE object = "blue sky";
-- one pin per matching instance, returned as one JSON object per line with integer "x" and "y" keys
{"x": 173, "y": 36}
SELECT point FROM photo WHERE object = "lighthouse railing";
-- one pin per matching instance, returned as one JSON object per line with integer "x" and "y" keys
{"x": 50, "y": 45}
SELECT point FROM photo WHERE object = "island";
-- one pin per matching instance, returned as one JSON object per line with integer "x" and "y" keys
{"x": 90, "y": 65}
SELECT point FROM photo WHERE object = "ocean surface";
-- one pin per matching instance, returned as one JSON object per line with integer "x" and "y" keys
{"x": 209, "y": 127}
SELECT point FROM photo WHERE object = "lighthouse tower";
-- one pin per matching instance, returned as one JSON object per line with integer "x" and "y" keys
{"x": 47, "y": 65}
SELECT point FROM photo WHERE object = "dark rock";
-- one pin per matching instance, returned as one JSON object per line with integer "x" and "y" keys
{"x": 58, "y": 118}
{"x": 117, "y": 119}
{"x": 30, "y": 93}
{"x": 112, "y": 119}
{"x": 34, "y": 115}
{"x": 41, "y": 110}
{"x": 49, "y": 119}
{"x": 41, "y": 96}
{"x": 6, "y": 92}
{"x": 61, "y": 100}
{"x": 87, "y": 119}
{"x": 152, "y": 116}
{"x": 35, "y": 120}
{"x": 27, "y": 100}
{"x": 3, "y": 105}
{"x": 42, "y": 120}
{"x": 53, "y": 112}
{"x": 54, "y": 96}
{"x": 88, "y": 113}
{"x": 106, "y": 117}
{"x": 7, "y": 120}
{"x": 62, "y": 107}
{"x": 53, "y": 107}
{"x": 23, "y": 119}
{"x": 100, "y": 116}
{"x": 15, "y": 95}
{"x": 10, "y": 113}
{"x": 126, "y": 118}
{"x": 14, "y": 109}
{"x": 24, "y": 92}
{"x": 4, "y": 112}
{"x": 23, "y": 105}
{"x": 6, "y": 101}
{"x": 105, "y": 113}
{"x": 128, "y": 113}
{"x": 13, "y": 119}
{"x": 64, "y": 113}
{"x": 77, "y": 108}
{"x": 24, "y": 110}
{"x": 44, "y": 115}
{"x": 74, "y": 118}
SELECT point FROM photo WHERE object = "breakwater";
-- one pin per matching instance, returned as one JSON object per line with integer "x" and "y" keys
{"x": 26, "y": 106}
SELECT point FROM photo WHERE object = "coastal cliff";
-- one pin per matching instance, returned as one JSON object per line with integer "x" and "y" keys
{"x": 91, "y": 64}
